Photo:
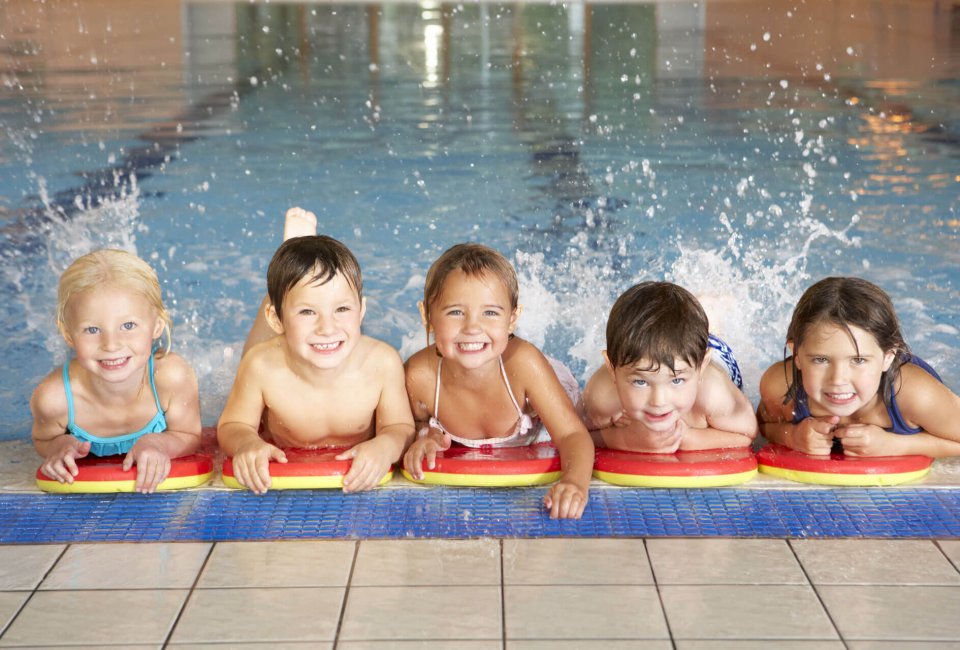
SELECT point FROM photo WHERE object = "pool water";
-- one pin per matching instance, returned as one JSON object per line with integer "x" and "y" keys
{"x": 741, "y": 152}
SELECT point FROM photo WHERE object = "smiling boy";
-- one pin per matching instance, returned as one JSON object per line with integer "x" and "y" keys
{"x": 318, "y": 381}
{"x": 666, "y": 383}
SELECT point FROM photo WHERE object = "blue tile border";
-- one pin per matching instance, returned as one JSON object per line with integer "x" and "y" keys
{"x": 457, "y": 513}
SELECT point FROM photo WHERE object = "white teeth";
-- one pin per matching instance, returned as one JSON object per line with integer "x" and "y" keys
{"x": 326, "y": 347}
{"x": 840, "y": 396}
{"x": 471, "y": 347}
{"x": 112, "y": 363}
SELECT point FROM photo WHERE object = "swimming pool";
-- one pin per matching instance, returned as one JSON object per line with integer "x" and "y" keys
{"x": 736, "y": 150}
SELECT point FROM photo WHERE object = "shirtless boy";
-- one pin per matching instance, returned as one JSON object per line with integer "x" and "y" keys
{"x": 308, "y": 376}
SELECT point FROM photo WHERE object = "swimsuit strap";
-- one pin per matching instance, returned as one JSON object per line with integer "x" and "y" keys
{"x": 503, "y": 371}
{"x": 436, "y": 397}
{"x": 69, "y": 393}
{"x": 153, "y": 386}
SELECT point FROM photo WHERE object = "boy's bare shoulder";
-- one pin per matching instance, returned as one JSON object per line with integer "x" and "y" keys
{"x": 717, "y": 391}
{"x": 378, "y": 358}
{"x": 600, "y": 398}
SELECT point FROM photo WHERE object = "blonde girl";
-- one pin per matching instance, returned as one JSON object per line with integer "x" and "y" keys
{"x": 852, "y": 378}
{"x": 480, "y": 385}
{"x": 123, "y": 392}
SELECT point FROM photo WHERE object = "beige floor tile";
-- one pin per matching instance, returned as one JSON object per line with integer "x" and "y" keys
{"x": 260, "y": 615}
{"x": 724, "y": 561}
{"x": 745, "y": 612}
{"x": 446, "y": 644}
{"x": 753, "y": 644}
{"x": 894, "y": 613}
{"x": 98, "y": 646}
{"x": 128, "y": 566}
{"x": 23, "y": 567}
{"x": 583, "y": 612}
{"x": 312, "y": 645}
{"x": 952, "y": 550}
{"x": 575, "y": 561}
{"x": 875, "y": 562}
{"x": 278, "y": 564}
{"x": 422, "y": 562}
{"x": 903, "y": 645}
{"x": 591, "y": 644}
{"x": 10, "y": 603}
{"x": 429, "y": 613}
{"x": 96, "y": 617}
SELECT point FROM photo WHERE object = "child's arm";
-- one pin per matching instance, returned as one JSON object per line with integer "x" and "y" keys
{"x": 922, "y": 400}
{"x": 567, "y": 498}
{"x": 394, "y": 428}
{"x": 177, "y": 387}
{"x": 59, "y": 449}
{"x": 731, "y": 419}
{"x": 811, "y": 436}
{"x": 420, "y": 383}
{"x": 238, "y": 428}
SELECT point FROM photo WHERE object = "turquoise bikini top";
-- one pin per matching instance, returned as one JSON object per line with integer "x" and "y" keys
{"x": 116, "y": 444}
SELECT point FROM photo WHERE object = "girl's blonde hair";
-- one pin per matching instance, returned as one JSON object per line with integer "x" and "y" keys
{"x": 119, "y": 268}
{"x": 473, "y": 260}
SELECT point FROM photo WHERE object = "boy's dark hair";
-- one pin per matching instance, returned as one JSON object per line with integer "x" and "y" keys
{"x": 847, "y": 302}
{"x": 316, "y": 257}
{"x": 658, "y": 322}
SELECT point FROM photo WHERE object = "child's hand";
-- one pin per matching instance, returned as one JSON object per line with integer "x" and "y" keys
{"x": 425, "y": 447}
{"x": 152, "y": 460}
{"x": 660, "y": 442}
{"x": 868, "y": 440}
{"x": 815, "y": 435}
{"x": 251, "y": 465}
{"x": 371, "y": 461}
{"x": 61, "y": 464}
{"x": 565, "y": 500}
{"x": 622, "y": 420}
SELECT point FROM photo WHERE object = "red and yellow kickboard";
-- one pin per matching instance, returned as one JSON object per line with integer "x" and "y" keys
{"x": 493, "y": 466}
{"x": 837, "y": 469}
{"x": 106, "y": 474}
{"x": 305, "y": 469}
{"x": 682, "y": 469}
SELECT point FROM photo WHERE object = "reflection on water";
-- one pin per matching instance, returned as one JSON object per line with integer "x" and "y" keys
{"x": 739, "y": 149}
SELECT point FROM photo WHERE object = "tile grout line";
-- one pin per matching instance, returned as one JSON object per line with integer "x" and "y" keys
{"x": 186, "y": 601}
{"x": 346, "y": 593}
{"x": 33, "y": 591}
{"x": 936, "y": 543}
{"x": 656, "y": 583}
{"x": 816, "y": 592}
{"x": 503, "y": 601}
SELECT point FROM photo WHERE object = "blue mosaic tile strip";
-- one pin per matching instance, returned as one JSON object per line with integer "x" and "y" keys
{"x": 468, "y": 513}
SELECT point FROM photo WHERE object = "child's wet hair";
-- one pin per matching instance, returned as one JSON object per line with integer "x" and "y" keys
{"x": 117, "y": 268}
{"x": 316, "y": 257}
{"x": 658, "y": 323}
{"x": 847, "y": 302}
{"x": 474, "y": 260}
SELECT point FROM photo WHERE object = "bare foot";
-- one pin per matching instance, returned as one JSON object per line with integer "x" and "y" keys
{"x": 299, "y": 223}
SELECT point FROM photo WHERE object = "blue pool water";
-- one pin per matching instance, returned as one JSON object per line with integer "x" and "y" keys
{"x": 595, "y": 146}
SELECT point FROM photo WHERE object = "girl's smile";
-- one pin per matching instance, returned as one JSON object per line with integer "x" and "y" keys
{"x": 111, "y": 330}
{"x": 472, "y": 320}
{"x": 841, "y": 370}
